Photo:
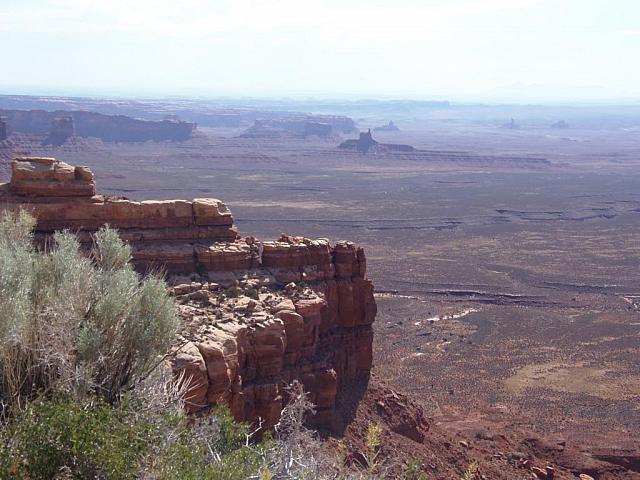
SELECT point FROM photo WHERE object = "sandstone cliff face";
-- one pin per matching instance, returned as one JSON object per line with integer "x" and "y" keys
{"x": 245, "y": 350}
{"x": 176, "y": 235}
{"x": 257, "y": 316}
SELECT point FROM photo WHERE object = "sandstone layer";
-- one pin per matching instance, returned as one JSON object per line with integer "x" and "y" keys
{"x": 257, "y": 315}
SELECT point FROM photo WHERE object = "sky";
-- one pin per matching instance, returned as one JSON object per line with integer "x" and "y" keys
{"x": 461, "y": 50}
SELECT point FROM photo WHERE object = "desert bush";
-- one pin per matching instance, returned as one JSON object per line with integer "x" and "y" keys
{"x": 372, "y": 453}
{"x": 211, "y": 447}
{"x": 414, "y": 470}
{"x": 139, "y": 437}
{"x": 68, "y": 439}
{"x": 296, "y": 448}
{"x": 128, "y": 323}
{"x": 471, "y": 472}
{"x": 147, "y": 435}
{"x": 74, "y": 322}
{"x": 233, "y": 292}
{"x": 252, "y": 293}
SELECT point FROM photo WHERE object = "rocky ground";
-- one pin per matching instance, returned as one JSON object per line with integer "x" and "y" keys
{"x": 501, "y": 451}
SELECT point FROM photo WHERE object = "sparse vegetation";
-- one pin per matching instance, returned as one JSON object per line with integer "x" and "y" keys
{"x": 82, "y": 335}
{"x": 372, "y": 452}
{"x": 470, "y": 473}
{"x": 233, "y": 292}
{"x": 75, "y": 323}
{"x": 57, "y": 437}
{"x": 252, "y": 293}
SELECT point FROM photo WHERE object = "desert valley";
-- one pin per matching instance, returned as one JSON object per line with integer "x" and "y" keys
{"x": 501, "y": 244}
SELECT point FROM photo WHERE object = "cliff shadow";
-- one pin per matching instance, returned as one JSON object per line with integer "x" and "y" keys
{"x": 347, "y": 401}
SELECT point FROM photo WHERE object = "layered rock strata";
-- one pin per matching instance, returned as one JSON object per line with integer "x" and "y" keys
{"x": 257, "y": 315}
{"x": 245, "y": 350}
{"x": 174, "y": 235}
{"x": 109, "y": 128}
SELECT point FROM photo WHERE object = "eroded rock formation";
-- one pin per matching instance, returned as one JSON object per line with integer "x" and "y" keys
{"x": 62, "y": 129}
{"x": 299, "y": 125}
{"x": 318, "y": 332}
{"x": 257, "y": 315}
{"x": 365, "y": 144}
{"x": 389, "y": 127}
{"x": 317, "y": 128}
{"x": 109, "y": 128}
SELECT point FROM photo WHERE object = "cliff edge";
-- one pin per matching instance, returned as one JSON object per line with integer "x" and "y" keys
{"x": 257, "y": 314}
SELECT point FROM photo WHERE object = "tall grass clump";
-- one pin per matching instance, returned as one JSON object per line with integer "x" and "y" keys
{"x": 72, "y": 322}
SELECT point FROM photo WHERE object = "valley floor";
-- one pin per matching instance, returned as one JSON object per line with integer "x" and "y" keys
{"x": 508, "y": 290}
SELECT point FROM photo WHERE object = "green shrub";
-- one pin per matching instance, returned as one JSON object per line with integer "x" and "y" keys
{"x": 74, "y": 322}
{"x": 59, "y": 436}
{"x": 252, "y": 293}
{"x": 63, "y": 437}
{"x": 213, "y": 447}
{"x": 233, "y": 292}
{"x": 127, "y": 324}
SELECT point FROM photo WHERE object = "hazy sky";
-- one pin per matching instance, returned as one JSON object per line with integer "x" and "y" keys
{"x": 458, "y": 49}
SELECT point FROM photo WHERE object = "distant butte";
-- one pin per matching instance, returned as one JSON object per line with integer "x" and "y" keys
{"x": 366, "y": 144}
{"x": 60, "y": 125}
{"x": 389, "y": 127}
{"x": 299, "y": 125}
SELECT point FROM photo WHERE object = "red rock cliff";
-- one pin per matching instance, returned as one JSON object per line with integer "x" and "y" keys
{"x": 257, "y": 316}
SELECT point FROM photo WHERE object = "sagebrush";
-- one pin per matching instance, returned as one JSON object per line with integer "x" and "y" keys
{"x": 75, "y": 321}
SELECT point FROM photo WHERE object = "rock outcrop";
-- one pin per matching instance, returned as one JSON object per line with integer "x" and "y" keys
{"x": 389, "y": 127}
{"x": 365, "y": 144}
{"x": 257, "y": 315}
{"x": 339, "y": 123}
{"x": 175, "y": 235}
{"x": 317, "y": 128}
{"x": 47, "y": 177}
{"x": 299, "y": 125}
{"x": 62, "y": 129}
{"x": 244, "y": 349}
{"x": 109, "y": 128}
